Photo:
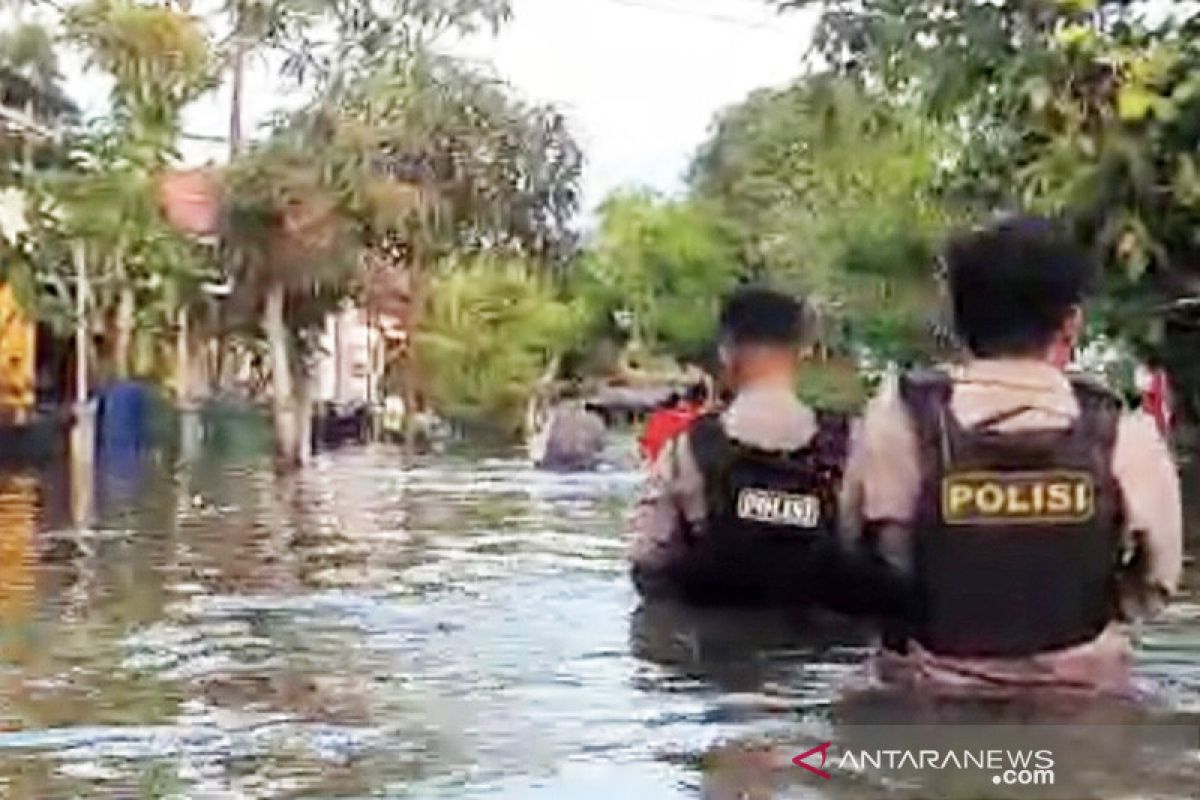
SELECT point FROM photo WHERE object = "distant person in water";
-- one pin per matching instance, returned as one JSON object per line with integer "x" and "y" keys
{"x": 740, "y": 508}
{"x": 672, "y": 419}
{"x": 571, "y": 439}
{"x": 1008, "y": 493}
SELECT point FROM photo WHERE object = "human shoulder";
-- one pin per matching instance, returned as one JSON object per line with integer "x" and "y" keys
{"x": 677, "y": 459}
{"x": 896, "y": 395}
{"x": 1138, "y": 434}
{"x": 883, "y": 474}
{"x": 887, "y": 419}
{"x": 1089, "y": 389}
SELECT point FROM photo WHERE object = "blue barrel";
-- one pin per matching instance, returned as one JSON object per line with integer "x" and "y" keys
{"x": 124, "y": 416}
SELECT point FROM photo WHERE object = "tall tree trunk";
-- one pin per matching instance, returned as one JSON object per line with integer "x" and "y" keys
{"x": 123, "y": 340}
{"x": 238, "y": 66}
{"x": 183, "y": 366}
{"x": 220, "y": 346}
{"x": 304, "y": 419}
{"x": 412, "y": 364}
{"x": 283, "y": 401}
{"x": 82, "y": 339}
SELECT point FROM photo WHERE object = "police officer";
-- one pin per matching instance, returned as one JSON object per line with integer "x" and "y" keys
{"x": 1010, "y": 493}
{"x": 740, "y": 509}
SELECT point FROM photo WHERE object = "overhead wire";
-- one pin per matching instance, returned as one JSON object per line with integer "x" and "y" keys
{"x": 721, "y": 19}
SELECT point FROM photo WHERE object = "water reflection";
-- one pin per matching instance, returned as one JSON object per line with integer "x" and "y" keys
{"x": 460, "y": 626}
{"x": 778, "y": 659}
{"x": 18, "y": 529}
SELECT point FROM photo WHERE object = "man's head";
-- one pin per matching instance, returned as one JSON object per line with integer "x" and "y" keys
{"x": 762, "y": 334}
{"x": 696, "y": 394}
{"x": 1016, "y": 289}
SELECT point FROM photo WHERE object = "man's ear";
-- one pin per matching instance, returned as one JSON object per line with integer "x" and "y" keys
{"x": 1072, "y": 329}
{"x": 1062, "y": 347}
{"x": 725, "y": 356}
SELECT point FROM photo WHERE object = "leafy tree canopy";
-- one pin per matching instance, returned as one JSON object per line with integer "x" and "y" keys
{"x": 831, "y": 192}
{"x": 662, "y": 266}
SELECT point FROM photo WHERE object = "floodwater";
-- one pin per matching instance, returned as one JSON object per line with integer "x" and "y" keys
{"x": 460, "y": 627}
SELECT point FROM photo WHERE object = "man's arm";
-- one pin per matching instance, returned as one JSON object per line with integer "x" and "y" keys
{"x": 1145, "y": 470}
{"x": 670, "y": 506}
{"x": 882, "y": 479}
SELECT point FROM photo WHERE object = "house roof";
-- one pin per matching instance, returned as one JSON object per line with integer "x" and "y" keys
{"x": 19, "y": 123}
{"x": 27, "y": 109}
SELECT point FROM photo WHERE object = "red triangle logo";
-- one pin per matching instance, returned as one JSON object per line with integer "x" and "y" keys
{"x": 823, "y": 749}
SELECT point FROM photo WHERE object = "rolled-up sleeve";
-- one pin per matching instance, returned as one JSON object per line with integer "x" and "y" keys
{"x": 1149, "y": 481}
{"x": 671, "y": 499}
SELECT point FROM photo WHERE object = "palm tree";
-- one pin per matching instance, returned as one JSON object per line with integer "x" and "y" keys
{"x": 473, "y": 168}
{"x": 160, "y": 60}
{"x": 294, "y": 246}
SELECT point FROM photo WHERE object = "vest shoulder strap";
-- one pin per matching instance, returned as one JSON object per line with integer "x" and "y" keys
{"x": 1100, "y": 411}
{"x": 832, "y": 439}
{"x": 709, "y": 442}
{"x": 926, "y": 395}
{"x": 713, "y": 452}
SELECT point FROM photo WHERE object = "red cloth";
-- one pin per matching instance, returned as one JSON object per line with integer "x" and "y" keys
{"x": 664, "y": 425}
{"x": 1156, "y": 400}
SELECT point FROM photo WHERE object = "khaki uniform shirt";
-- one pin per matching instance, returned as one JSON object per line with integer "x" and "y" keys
{"x": 768, "y": 417}
{"x": 883, "y": 481}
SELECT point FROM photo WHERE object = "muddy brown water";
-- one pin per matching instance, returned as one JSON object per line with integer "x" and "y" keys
{"x": 460, "y": 626}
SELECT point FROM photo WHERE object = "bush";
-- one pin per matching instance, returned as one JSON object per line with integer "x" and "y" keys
{"x": 491, "y": 330}
{"x": 832, "y": 386}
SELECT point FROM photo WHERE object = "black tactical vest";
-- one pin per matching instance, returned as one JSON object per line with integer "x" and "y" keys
{"x": 1018, "y": 534}
{"x": 772, "y": 516}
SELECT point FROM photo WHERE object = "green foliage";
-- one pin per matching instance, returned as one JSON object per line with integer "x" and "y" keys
{"x": 1086, "y": 109}
{"x": 159, "y": 58}
{"x": 667, "y": 263}
{"x": 833, "y": 193}
{"x": 332, "y": 42}
{"x": 286, "y": 216}
{"x": 439, "y": 149}
{"x": 29, "y": 73}
{"x": 141, "y": 271}
{"x": 492, "y": 327}
{"x": 418, "y": 160}
{"x": 832, "y": 386}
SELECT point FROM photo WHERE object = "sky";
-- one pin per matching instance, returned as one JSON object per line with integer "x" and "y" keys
{"x": 639, "y": 80}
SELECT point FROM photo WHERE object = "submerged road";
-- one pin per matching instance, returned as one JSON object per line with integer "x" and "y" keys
{"x": 461, "y": 627}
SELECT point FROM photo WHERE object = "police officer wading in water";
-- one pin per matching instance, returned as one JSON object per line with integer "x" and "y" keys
{"x": 740, "y": 509}
{"x": 1010, "y": 493}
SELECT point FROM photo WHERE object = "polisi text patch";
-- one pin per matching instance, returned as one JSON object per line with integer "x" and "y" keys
{"x": 1007, "y": 498}
{"x": 779, "y": 508}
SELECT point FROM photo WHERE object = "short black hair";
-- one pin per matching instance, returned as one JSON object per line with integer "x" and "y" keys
{"x": 758, "y": 316}
{"x": 1013, "y": 284}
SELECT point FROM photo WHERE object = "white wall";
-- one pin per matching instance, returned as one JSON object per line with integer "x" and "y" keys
{"x": 344, "y": 371}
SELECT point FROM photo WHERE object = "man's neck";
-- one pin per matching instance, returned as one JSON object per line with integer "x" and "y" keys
{"x": 1058, "y": 358}
{"x": 776, "y": 381}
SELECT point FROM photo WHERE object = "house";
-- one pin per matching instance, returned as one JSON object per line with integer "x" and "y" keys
{"x": 18, "y": 335}
{"x": 29, "y": 116}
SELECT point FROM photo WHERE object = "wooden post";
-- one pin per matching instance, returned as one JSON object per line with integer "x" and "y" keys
{"x": 83, "y": 430}
{"x": 183, "y": 365}
{"x": 81, "y": 327}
